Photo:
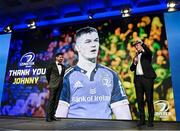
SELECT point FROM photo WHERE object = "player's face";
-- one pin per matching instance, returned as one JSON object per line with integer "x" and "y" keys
{"x": 88, "y": 45}
{"x": 59, "y": 58}
{"x": 138, "y": 47}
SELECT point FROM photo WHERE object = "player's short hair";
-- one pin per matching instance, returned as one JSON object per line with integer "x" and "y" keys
{"x": 85, "y": 30}
{"x": 137, "y": 42}
{"x": 57, "y": 54}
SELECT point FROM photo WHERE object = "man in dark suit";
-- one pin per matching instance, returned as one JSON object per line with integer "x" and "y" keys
{"x": 54, "y": 75}
{"x": 144, "y": 76}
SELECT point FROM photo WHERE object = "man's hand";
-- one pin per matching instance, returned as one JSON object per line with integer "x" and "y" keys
{"x": 48, "y": 86}
{"x": 135, "y": 59}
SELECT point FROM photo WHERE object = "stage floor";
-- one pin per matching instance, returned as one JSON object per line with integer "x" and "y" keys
{"x": 24, "y": 123}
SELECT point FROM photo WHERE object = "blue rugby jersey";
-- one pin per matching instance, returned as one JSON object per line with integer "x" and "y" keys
{"x": 91, "y": 98}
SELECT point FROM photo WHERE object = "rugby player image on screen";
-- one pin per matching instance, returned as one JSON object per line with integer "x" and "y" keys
{"x": 91, "y": 90}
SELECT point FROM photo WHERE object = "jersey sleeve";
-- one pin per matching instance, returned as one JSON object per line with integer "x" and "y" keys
{"x": 65, "y": 92}
{"x": 118, "y": 93}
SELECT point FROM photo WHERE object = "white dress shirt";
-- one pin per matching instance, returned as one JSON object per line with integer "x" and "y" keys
{"x": 59, "y": 68}
{"x": 139, "y": 70}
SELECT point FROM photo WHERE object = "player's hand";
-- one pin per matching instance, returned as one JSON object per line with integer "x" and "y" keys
{"x": 135, "y": 59}
{"x": 48, "y": 86}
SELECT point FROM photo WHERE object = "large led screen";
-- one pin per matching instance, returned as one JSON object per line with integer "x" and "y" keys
{"x": 25, "y": 90}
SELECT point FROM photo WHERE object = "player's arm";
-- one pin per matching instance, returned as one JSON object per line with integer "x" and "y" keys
{"x": 62, "y": 109}
{"x": 146, "y": 50}
{"x": 63, "y": 105}
{"x": 48, "y": 72}
{"x": 119, "y": 101}
{"x": 121, "y": 110}
{"x": 133, "y": 67}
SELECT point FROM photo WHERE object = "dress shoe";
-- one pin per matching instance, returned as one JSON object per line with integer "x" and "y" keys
{"x": 150, "y": 121}
{"x": 150, "y": 124}
{"x": 54, "y": 118}
{"x": 141, "y": 123}
{"x": 49, "y": 120}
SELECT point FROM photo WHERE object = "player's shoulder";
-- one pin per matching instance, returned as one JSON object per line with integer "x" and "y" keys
{"x": 52, "y": 64}
{"x": 107, "y": 69}
{"x": 69, "y": 71}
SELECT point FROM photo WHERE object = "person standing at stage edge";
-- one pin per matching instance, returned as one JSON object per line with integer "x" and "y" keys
{"x": 54, "y": 74}
{"x": 144, "y": 76}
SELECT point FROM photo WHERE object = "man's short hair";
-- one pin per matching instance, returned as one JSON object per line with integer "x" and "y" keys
{"x": 57, "y": 54}
{"x": 85, "y": 30}
{"x": 137, "y": 42}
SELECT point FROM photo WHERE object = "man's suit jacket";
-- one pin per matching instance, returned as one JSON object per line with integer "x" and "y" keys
{"x": 146, "y": 59}
{"x": 53, "y": 77}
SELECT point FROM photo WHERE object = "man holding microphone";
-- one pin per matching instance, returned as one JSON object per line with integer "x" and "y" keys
{"x": 144, "y": 76}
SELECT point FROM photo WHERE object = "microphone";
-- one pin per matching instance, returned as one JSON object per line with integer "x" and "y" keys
{"x": 135, "y": 60}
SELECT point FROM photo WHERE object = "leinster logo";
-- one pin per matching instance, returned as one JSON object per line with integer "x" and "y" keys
{"x": 27, "y": 59}
{"x": 106, "y": 81}
{"x": 162, "y": 108}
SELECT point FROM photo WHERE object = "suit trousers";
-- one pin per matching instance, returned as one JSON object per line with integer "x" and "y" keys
{"x": 143, "y": 86}
{"x": 53, "y": 101}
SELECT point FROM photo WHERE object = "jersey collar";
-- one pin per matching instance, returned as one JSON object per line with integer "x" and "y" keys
{"x": 77, "y": 68}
